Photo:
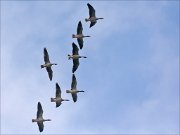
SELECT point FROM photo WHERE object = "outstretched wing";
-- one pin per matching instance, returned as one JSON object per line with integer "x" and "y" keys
{"x": 39, "y": 110}
{"x": 50, "y": 72}
{"x": 79, "y": 28}
{"x": 75, "y": 49}
{"x": 80, "y": 42}
{"x": 58, "y": 90}
{"x": 74, "y": 82}
{"x": 92, "y": 24}
{"x": 74, "y": 96}
{"x": 91, "y": 11}
{"x": 75, "y": 65}
{"x": 41, "y": 126}
{"x": 46, "y": 56}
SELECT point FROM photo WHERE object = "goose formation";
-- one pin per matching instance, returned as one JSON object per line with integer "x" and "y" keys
{"x": 75, "y": 58}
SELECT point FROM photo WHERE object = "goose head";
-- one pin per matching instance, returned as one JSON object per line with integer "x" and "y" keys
{"x": 86, "y": 36}
{"x": 82, "y": 57}
{"x": 65, "y": 100}
{"x": 47, "y": 120}
{"x": 80, "y": 91}
{"x": 100, "y": 18}
{"x": 54, "y": 63}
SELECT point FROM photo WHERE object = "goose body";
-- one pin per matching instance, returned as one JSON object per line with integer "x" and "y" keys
{"x": 74, "y": 90}
{"x": 58, "y": 99}
{"x": 40, "y": 118}
{"x": 79, "y": 35}
{"x": 92, "y": 16}
{"x": 48, "y": 64}
{"x": 75, "y": 57}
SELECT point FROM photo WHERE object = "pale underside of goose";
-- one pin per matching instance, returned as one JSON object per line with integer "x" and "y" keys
{"x": 74, "y": 90}
{"x": 58, "y": 98}
{"x": 75, "y": 57}
{"x": 92, "y": 16}
{"x": 39, "y": 118}
{"x": 48, "y": 64}
{"x": 79, "y": 35}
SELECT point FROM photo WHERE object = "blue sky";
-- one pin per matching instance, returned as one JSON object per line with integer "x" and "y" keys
{"x": 130, "y": 78}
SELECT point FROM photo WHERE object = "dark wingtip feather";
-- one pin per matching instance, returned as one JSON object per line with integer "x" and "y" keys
{"x": 73, "y": 43}
{"x": 74, "y": 100}
{"x": 44, "y": 48}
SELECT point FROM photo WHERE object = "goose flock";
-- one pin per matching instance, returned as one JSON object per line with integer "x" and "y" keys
{"x": 75, "y": 58}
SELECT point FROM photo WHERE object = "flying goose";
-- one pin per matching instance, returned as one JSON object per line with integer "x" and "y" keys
{"x": 92, "y": 16}
{"x": 79, "y": 35}
{"x": 75, "y": 57}
{"x": 74, "y": 90}
{"x": 58, "y": 98}
{"x": 48, "y": 64}
{"x": 39, "y": 118}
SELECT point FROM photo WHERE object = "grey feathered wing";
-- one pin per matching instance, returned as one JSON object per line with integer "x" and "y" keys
{"x": 80, "y": 42}
{"x": 75, "y": 61}
{"x": 58, "y": 94}
{"x": 73, "y": 86}
{"x": 91, "y": 11}
{"x": 46, "y": 56}
{"x": 50, "y": 72}
{"x": 41, "y": 126}
{"x": 92, "y": 24}
{"x": 40, "y": 115}
{"x": 79, "y": 28}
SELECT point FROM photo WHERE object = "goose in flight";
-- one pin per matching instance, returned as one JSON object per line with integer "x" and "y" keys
{"x": 74, "y": 90}
{"x": 39, "y": 118}
{"x": 79, "y": 35}
{"x": 48, "y": 64}
{"x": 92, "y": 16}
{"x": 75, "y": 57}
{"x": 58, "y": 98}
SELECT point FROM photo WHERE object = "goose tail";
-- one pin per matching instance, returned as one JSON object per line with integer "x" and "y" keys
{"x": 52, "y": 100}
{"x": 86, "y": 19}
{"x": 73, "y": 36}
